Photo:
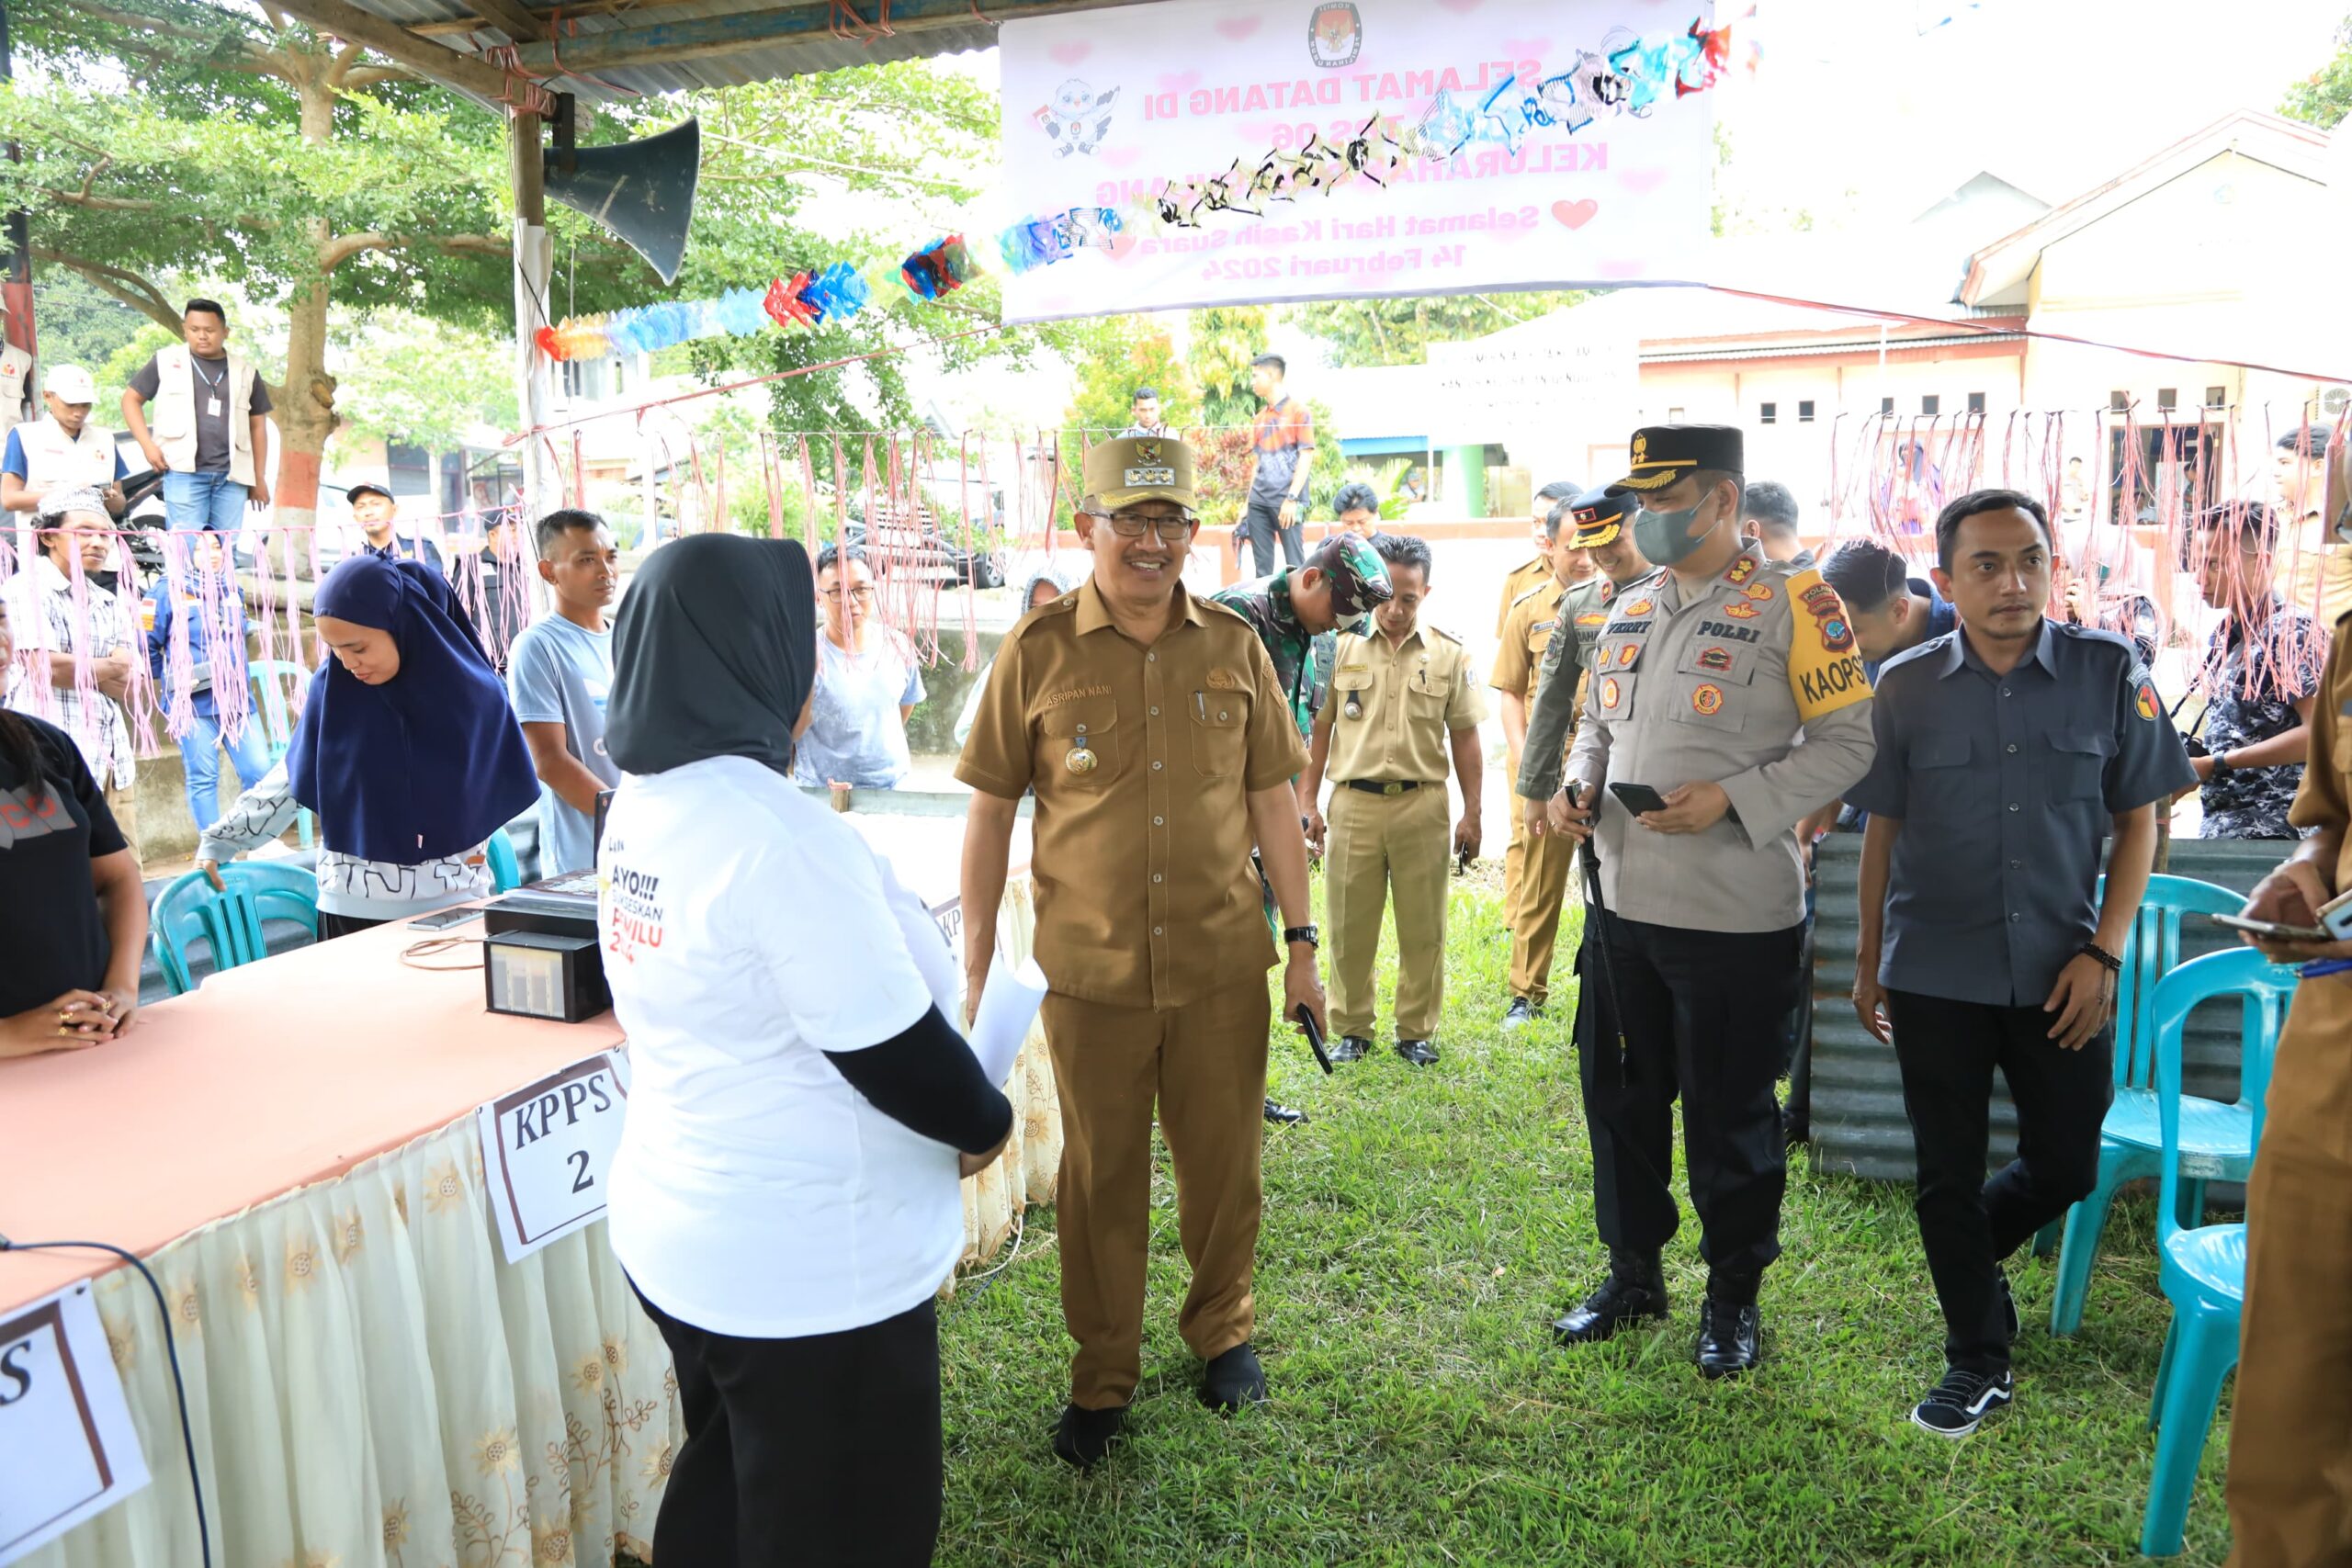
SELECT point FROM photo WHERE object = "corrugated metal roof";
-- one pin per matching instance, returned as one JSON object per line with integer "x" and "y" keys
{"x": 1858, "y": 1124}
{"x": 750, "y": 62}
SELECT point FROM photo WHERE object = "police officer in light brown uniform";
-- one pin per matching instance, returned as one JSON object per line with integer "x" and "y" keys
{"x": 1149, "y": 726}
{"x": 1402, "y": 702}
{"x": 2290, "y": 1427}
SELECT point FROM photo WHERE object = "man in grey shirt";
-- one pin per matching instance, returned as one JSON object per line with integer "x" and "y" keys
{"x": 559, "y": 674}
{"x": 2008, "y": 750}
{"x": 1729, "y": 686}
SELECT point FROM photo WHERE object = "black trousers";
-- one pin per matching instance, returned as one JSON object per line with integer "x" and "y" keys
{"x": 1704, "y": 1012}
{"x": 333, "y": 926}
{"x": 1260, "y": 525}
{"x": 1948, "y": 1051}
{"x": 821, "y": 1451}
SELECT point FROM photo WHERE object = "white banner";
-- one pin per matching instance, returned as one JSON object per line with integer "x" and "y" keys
{"x": 1213, "y": 151}
{"x": 1569, "y": 369}
{"x": 68, "y": 1450}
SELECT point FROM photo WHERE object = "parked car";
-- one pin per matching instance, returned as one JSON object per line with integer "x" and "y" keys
{"x": 893, "y": 542}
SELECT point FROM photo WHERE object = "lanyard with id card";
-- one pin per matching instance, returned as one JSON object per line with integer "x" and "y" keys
{"x": 212, "y": 401}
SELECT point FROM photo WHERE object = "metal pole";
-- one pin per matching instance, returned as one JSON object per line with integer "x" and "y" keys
{"x": 16, "y": 289}
{"x": 534, "y": 267}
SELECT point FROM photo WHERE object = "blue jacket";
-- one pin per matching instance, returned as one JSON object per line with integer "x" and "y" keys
{"x": 228, "y": 664}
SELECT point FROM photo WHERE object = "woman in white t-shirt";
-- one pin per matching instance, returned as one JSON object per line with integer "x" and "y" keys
{"x": 785, "y": 1199}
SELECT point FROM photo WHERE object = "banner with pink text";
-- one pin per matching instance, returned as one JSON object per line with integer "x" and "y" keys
{"x": 1227, "y": 151}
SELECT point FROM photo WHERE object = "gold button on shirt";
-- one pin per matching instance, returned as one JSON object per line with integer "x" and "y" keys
{"x": 1408, "y": 701}
{"x": 1140, "y": 859}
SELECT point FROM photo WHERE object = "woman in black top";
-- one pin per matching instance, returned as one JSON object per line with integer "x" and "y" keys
{"x": 72, "y": 910}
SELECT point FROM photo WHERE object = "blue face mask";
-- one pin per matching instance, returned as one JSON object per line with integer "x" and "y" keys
{"x": 1665, "y": 538}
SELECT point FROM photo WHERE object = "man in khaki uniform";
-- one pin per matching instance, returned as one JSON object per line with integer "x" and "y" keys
{"x": 1401, "y": 701}
{"x": 1535, "y": 869}
{"x": 1148, "y": 725}
{"x": 2291, "y": 1433}
{"x": 1537, "y": 569}
{"x": 2317, "y": 541}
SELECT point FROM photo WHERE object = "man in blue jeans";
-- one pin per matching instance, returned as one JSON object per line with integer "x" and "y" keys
{"x": 210, "y": 434}
{"x": 210, "y": 609}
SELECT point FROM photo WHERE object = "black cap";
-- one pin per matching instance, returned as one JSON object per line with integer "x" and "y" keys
{"x": 367, "y": 487}
{"x": 1664, "y": 452}
{"x": 2311, "y": 441}
{"x": 1600, "y": 515}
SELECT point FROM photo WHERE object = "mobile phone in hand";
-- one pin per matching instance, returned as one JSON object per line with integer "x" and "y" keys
{"x": 1313, "y": 1036}
{"x": 2271, "y": 929}
{"x": 1638, "y": 798}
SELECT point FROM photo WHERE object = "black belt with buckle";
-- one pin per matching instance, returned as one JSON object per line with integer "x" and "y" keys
{"x": 1383, "y": 786}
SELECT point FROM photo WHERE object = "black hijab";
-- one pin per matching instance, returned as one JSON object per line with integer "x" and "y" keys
{"x": 714, "y": 652}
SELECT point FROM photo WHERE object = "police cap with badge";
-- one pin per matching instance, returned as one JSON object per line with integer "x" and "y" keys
{"x": 1600, "y": 514}
{"x": 1664, "y": 452}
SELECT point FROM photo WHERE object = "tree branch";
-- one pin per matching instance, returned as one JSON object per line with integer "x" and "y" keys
{"x": 128, "y": 287}
{"x": 375, "y": 76}
{"x": 251, "y": 58}
{"x": 344, "y": 246}
{"x": 346, "y": 58}
{"x": 101, "y": 203}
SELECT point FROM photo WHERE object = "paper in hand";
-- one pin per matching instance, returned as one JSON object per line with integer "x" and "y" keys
{"x": 1008, "y": 1007}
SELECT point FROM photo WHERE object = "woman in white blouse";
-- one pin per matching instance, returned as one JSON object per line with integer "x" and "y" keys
{"x": 785, "y": 1199}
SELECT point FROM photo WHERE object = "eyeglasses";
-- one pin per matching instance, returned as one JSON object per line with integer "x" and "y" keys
{"x": 1134, "y": 525}
{"x": 863, "y": 595}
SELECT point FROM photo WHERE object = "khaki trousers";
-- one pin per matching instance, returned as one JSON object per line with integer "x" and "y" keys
{"x": 124, "y": 803}
{"x": 1380, "y": 842}
{"x": 1206, "y": 1065}
{"x": 2324, "y": 579}
{"x": 2290, "y": 1427}
{"x": 1532, "y": 902}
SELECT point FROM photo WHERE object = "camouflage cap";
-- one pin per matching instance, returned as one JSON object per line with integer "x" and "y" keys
{"x": 1359, "y": 577}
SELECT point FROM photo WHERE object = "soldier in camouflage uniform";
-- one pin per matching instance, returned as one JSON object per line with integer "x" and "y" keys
{"x": 1294, "y": 613}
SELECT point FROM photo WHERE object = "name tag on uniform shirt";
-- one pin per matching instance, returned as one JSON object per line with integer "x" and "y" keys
{"x": 548, "y": 1150}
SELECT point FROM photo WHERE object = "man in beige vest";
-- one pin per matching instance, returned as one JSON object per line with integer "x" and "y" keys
{"x": 210, "y": 432}
{"x": 60, "y": 451}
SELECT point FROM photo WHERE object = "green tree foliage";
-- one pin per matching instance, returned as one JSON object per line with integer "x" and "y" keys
{"x": 2324, "y": 97}
{"x": 1400, "y": 331}
{"x": 1224, "y": 339}
{"x": 1113, "y": 356}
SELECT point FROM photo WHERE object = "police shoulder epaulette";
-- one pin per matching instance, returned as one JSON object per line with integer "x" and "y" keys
{"x": 1442, "y": 633}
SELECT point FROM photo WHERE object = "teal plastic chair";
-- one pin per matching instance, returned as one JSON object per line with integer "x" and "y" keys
{"x": 2215, "y": 1143}
{"x": 271, "y": 679}
{"x": 228, "y": 921}
{"x": 2201, "y": 1266}
{"x": 505, "y": 871}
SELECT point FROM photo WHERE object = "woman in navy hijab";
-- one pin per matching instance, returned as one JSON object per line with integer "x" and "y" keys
{"x": 406, "y": 751}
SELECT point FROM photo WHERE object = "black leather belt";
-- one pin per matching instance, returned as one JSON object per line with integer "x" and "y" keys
{"x": 1383, "y": 786}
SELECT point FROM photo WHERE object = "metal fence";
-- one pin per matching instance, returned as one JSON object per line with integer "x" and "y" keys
{"x": 1859, "y": 1125}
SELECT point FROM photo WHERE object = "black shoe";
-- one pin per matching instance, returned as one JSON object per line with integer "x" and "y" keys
{"x": 1634, "y": 1290}
{"x": 1281, "y": 1115}
{"x": 1731, "y": 1338}
{"x": 2008, "y": 1303}
{"x": 1349, "y": 1048}
{"x": 1233, "y": 1380}
{"x": 1085, "y": 1436}
{"x": 1520, "y": 1011}
{"x": 1420, "y": 1053}
{"x": 1954, "y": 1406}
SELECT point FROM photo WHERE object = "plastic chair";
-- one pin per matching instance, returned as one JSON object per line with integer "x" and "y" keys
{"x": 2127, "y": 1148}
{"x": 272, "y": 679}
{"x": 2201, "y": 1266}
{"x": 505, "y": 871}
{"x": 228, "y": 921}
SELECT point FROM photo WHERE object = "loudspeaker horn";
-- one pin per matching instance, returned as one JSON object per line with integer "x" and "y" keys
{"x": 642, "y": 192}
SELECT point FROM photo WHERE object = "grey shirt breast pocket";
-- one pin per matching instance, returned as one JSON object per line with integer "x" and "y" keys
{"x": 2074, "y": 764}
{"x": 1712, "y": 684}
{"x": 1942, "y": 790}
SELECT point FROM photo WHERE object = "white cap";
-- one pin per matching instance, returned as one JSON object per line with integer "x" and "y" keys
{"x": 70, "y": 383}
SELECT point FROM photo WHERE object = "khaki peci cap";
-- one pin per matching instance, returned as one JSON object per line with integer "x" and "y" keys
{"x": 1664, "y": 452}
{"x": 1140, "y": 467}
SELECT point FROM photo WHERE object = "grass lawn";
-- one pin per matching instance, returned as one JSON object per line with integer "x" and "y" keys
{"x": 1419, "y": 1237}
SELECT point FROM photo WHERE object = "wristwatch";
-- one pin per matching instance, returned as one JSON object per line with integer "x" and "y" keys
{"x": 2221, "y": 764}
{"x": 1311, "y": 935}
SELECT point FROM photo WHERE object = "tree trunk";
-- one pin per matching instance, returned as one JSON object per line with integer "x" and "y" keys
{"x": 305, "y": 409}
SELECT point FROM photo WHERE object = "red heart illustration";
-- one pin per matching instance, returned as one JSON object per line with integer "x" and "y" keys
{"x": 1124, "y": 247}
{"x": 1641, "y": 182}
{"x": 1070, "y": 53}
{"x": 1237, "y": 27}
{"x": 1575, "y": 214}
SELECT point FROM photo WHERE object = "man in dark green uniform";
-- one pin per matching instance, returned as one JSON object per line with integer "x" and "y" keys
{"x": 1295, "y": 610}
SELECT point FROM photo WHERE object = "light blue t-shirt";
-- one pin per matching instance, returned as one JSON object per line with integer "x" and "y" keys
{"x": 856, "y": 736}
{"x": 560, "y": 672}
